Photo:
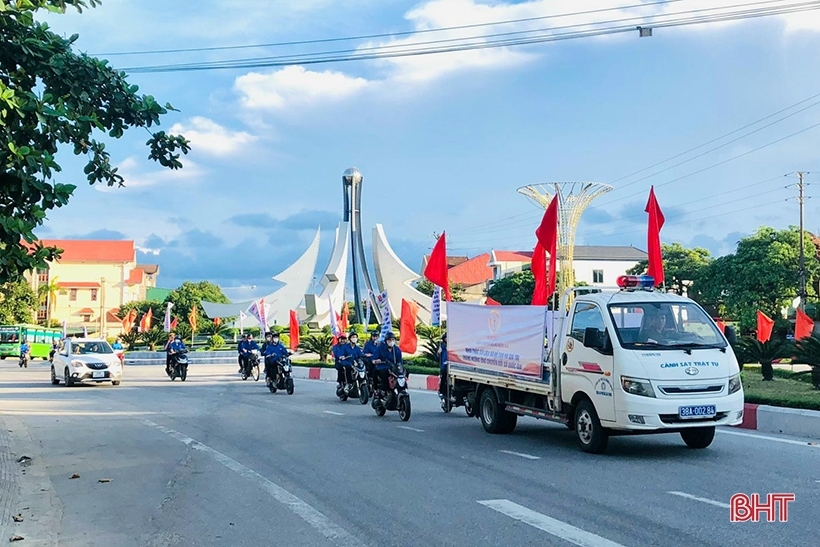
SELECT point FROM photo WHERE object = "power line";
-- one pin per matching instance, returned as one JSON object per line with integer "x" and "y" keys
{"x": 412, "y": 50}
{"x": 382, "y": 35}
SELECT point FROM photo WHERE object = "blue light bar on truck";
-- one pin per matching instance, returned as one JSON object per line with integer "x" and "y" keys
{"x": 636, "y": 281}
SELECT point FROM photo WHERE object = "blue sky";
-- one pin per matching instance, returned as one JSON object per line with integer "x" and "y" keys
{"x": 443, "y": 141}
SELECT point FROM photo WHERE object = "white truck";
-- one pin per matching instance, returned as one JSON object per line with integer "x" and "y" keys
{"x": 627, "y": 360}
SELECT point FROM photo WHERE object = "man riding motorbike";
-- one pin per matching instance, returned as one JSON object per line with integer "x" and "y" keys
{"x": 342, "y": 357}
{"x": 388, "y": 356}
{"x": 371, "y": 347}
{"x": 273, "y": 351}
{"x": 175, "y": 345}
{"x": 25, "y": 353}
{"x": 245, "y": 351}
{"x": 239, "y": 348}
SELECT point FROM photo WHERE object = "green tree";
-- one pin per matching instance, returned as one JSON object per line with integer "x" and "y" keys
{"x": 17, "y": 300}
{"x": 431, "y": 337}
{"x": 47, "y": 293}
{"x": 215, "y": 342}
{"x": 681, "y": 266}
{"x": 155, "y": 337}
{"x": 762, "y": 274}
{"x": 320, "y": 344}
{"x": 191, "y": 294}
{"x": 456, "y": 289}
{"x": 184, "y": 331}
{"x": 211, "y": 328}
{"x": 52, "y": 98}
{"x": 766, "y": 353}
{"x": 130, "y": 339}
{"x": 515, "y": 289}
{"x": 807, "y": 351}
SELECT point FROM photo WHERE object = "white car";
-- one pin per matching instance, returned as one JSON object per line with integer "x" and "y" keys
{"x": 86, "y": 361}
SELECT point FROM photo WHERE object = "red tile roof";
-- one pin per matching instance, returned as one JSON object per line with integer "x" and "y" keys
{"x": 472, "y": 272}
{"x": 513, "y": 256}
{"x": 111, "y": 315}
{"x": 77, "y": 250}
{"x": 135, "y": 277}
{"x": 77, "y": 284}
{"x": 85, "y": 311}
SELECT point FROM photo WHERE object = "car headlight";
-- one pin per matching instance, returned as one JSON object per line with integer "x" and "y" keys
{"x": 77, "y": 364}
{"x": 637, "y": 386}
{"x": 734, "y": 384}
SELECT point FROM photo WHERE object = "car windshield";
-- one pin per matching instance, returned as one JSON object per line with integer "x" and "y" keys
{"x": 664, "y": 325}
{"x": 90, "y": 348}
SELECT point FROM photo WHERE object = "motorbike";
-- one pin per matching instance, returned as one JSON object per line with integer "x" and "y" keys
{"x": 284, "y": 380}
{"x": 347, "y": 389}
{"x": 250, "y": 366}
{"x": 179, "y": 366}
{"x": 396, "y": 398}
{"x": 23, "y": 361}
{"x": 360, "y": 382}
{"x": 456, "y": 395}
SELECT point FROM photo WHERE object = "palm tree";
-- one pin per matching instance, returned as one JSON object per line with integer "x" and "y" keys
{"x": 432, "y": 339}
{"x": 154, "y": 337}
{"x": 184, "y": 331}
{"x": 131, "y": 339}
{"x": 320, "y": 344}
{"x": 808, "y": 352}
{"x": 48, "y": 294}
{"x": 766, "y": 353}
{"x": 213, "y": 328}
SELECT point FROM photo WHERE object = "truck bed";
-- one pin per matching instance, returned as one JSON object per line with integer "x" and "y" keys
{"x": 477, "y": 375}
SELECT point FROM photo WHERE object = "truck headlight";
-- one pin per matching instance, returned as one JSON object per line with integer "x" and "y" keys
{"x": 734, "y": 384}
{"x": 637, "y": 386}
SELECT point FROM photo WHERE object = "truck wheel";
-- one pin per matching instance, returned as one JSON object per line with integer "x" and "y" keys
{"x": 698, "y": 437}
{"x": 591, "y": 435}
{"x": 493, "y": 417}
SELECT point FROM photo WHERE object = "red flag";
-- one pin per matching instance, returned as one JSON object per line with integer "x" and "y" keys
{"x": 145, "y": 322}
{"x": 722, "y": 326}
{"x": 539, "y": 271}
{"x": 804, "y": 326}
{"x": 764, "y": 327}
{"x": 192, "y": 320}
{"x": 547, "y": 234}
{"x": 408, "y": 342}
{"x": 217, "y": 321}
{"x": 294, "y": 330}
{"x": 491, "y": 302}
{"x": 343, "y": 319}
{"x": 175, "y": 322}
{"x": 436, "y": 270}
{"x": 653, "y": 246}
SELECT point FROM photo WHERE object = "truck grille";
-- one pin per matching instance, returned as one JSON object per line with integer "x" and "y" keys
{"x": 689, "y": 390}
{"x": 675, "y": 419}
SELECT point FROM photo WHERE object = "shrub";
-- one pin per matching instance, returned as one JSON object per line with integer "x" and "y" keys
{"x": 184, "y": 331}
{"x": 359, "y": 329}
{"x": 215, "y": 342}
{"x": 304, "y": 330}
{"x": 766, "y": 353}
{"x": 285, "y": 339}
{"x": 431, "y": 337}
{"x": 320, "y": 344}
{"x": 130, "y": 339}
{"x": 155, "y": 337}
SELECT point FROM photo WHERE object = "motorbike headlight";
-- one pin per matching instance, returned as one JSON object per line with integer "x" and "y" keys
{"x": 77, "y": 364}
{"x": 637, "y": 386}
{"x": 402, "y": 382}
{"x": 734, "y": 384}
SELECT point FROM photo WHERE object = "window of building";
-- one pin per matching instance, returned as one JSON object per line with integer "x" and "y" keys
{"x": 93, "y": 295}
{"x": 41, "y": 315}
{"x": 42, "y": 275}
{"x": 86, "y": 318}
{"x": 72, "y": 295}
{"x": 597, "y": 276}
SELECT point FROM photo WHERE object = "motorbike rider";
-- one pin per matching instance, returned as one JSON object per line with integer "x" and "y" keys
{"x": 239, "y": 348}
{"x": 25, "y": 351}
{"x": 388, "y": 357}
{"x": 371, "y": 347}
{"x": 274, "y": 351}
{"x": 246, "y": 350}
{"x": 167, "y": 349}
{"x": 342, "y": 357}
{"x": 442, "y": 362}
{"x": 356, "y": 352}
{"x": 175, "y": 345}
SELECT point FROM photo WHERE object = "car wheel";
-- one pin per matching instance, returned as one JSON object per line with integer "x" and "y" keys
{"x": 115, "y": 382}
{"x": 54, "y": 379}
{"x": 67, "y": 376}
{"x": 591, "y": 435}
{"x": 698, "y": 437}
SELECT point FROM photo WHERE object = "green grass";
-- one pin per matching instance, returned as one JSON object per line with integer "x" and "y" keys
{"x": 788, "y": 389}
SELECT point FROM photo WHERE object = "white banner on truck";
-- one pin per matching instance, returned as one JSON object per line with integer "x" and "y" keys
{"x": 502, "y": 339}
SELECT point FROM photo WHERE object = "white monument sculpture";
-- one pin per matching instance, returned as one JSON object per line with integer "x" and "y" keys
{"x": 317, "y": 306}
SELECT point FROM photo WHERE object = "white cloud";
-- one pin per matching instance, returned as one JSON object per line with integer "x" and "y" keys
{"x": 134, "y": 178}
{"x": 207, "y": 135}
{"x": 295, "y": 87}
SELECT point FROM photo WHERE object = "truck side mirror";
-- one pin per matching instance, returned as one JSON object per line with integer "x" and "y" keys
{"x": 731, "y": 335}
{"x": 593, "y": 339}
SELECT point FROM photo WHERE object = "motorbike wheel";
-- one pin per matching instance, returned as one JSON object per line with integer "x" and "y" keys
{"x": 404, "y": 408}
{"x": 255, "y": 373}
{"x": 380, "y": 411}
{"x": 183, "y": 374}
{"x": 271, "y": 386}
{"x": 343, "y": 397}
{"x": 469, "y": 409}
{"x": 363, "y": 395}
{"x": 289, "y": 386}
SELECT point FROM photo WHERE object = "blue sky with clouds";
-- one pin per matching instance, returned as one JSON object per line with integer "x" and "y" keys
{"x": 444, "y": 140}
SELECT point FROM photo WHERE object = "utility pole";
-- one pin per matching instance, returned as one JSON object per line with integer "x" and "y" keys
{"x": 800, "y": 201}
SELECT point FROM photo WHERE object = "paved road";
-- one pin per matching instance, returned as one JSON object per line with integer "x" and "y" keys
{"x": 218, "y": 461}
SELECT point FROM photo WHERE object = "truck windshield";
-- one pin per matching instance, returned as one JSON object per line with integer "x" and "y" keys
{"x": 9, "y": 335}
{"x": 664, "y": 325}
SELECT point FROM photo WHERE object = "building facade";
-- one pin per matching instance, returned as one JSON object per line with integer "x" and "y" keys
{"x": 90, "y": 282}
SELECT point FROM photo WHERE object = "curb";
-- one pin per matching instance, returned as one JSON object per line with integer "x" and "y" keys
{"x": 788, "y": 421}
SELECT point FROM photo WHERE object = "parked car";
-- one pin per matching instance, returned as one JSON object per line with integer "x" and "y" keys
{"x": 86, "y": 361}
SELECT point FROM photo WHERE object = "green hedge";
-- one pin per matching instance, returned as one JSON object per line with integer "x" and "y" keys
{"x": 788, "y": 389}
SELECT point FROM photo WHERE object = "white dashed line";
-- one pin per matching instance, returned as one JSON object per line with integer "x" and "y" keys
{"x": 334, "y": 413}
{"x": 408, "y": 428}
{"x": 557, "y": 528}
{"x": 702, "y": 500}
{"x": 520, "y": 455}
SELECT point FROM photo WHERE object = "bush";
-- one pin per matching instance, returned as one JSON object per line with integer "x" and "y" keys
{"x": 285, "y": 339}
{"x": 358, "y": 329}
{"x": 320, "y": 344}
{"x": 215, "y": 342}
{"x": 326, "y": 329}
{"x": 304, "y": 330}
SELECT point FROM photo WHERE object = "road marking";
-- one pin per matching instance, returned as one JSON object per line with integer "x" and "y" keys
{"x": 303, "y": 510}
{"x": 408, "y": 428}
{"x": 520, "y": 454}
{"x": 767, "y": 438}
{"x": 557, "y": 528}
{"x": 704, "y": 500}
{"x": 334, "y": 413}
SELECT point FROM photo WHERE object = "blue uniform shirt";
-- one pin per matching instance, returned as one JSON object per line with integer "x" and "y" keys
{"x": 176, "y": 345}
{"x": 372, "y": 348}
{"x": 341, "y": 355}
{"x": 24, "y": 349}
{"x": 277, "y": 351}
{"x": 443, "y": 358}
{"x": 388, "y": 356}
{"x": 355, "y": 352}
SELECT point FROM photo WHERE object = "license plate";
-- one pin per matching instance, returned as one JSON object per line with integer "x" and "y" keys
{"x": 98, "y": 374}
{"x": 699, "y": 411}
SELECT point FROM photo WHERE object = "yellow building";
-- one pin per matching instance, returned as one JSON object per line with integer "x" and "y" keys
{"x": 91, "y": 280}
